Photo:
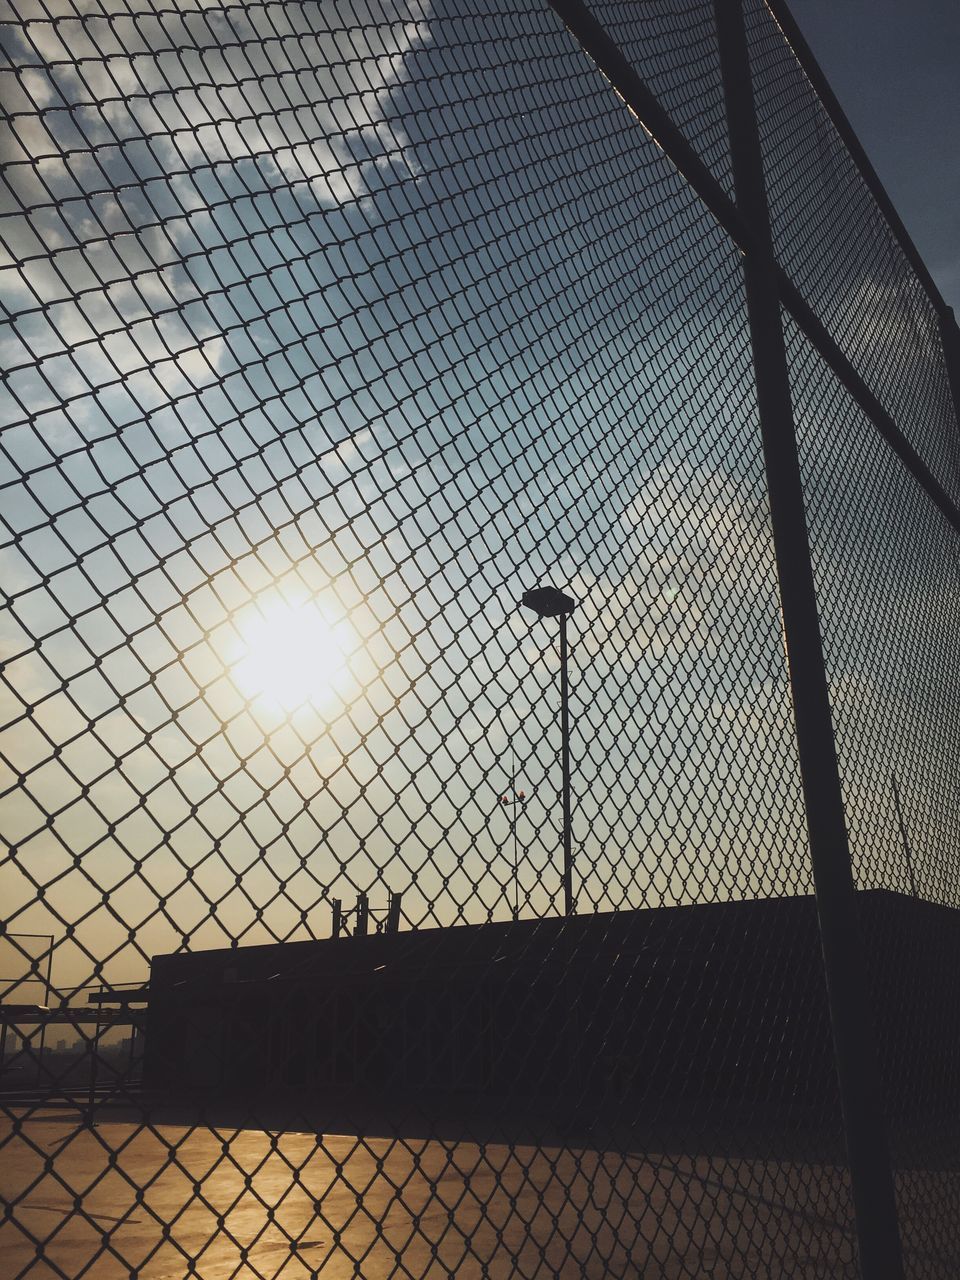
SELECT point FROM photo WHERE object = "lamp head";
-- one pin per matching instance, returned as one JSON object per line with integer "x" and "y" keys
{"x": 547, "y": 602}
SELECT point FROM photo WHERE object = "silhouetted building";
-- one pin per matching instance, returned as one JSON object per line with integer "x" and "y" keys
{"x": 710, "y": 1009}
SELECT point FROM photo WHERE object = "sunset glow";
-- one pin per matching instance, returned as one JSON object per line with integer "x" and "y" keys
{"x": 291, "y": 655}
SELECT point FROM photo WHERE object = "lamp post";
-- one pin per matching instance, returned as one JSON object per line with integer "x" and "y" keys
{"x": 547, "y": 602}
{"x": 510, "y": 801}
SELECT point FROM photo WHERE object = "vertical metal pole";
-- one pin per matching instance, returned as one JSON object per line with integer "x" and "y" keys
{"x": 516, "y": 859}
{"x": 565, "y": 765}
{"x": 94, "y": 1055}
{"x": 514, "y": 801}
{"x": 337, "y": 906}
{"x": 363, "y": 915}
{"x": 46, "y": 1001}
{"x": 950, "y": 338}
{"x": 908, "y": 852}
{"x": 854, "y": 1044}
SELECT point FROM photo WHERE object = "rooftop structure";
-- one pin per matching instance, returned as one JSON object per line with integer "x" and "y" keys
{"x": 572, "y": 1017}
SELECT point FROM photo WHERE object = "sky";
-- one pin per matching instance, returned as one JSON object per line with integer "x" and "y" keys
{"x": 375, "y": 314}
{"x": 895, "y": 68}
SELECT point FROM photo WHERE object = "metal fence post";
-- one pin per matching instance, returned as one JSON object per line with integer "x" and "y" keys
{"x": 854, "y": 1040}
{"x": 950, "y": 339}
{"x": 393, "y": 914}
{"x": 565, "y": 764}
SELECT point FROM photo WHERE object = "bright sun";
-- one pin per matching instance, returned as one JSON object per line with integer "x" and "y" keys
{"x": 291, "y": 654}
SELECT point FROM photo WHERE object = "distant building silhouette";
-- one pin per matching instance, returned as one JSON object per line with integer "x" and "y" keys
{"x": 595, "y": 1019}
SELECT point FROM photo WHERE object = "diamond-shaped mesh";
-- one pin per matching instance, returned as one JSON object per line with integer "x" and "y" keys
{"x": 333, "y": 329}
{"x": 673, "y": 45}
{"x": 888, "y": 570}
{"x": 833, "y": 240}
{"x": 888, "y": 579}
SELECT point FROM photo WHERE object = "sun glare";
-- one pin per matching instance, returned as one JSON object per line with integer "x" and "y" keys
{"x": 291, "y": 655}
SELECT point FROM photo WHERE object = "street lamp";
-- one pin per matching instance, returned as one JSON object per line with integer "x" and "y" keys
{"x": 510, "y": 801}
{"x": 547, "y": 602}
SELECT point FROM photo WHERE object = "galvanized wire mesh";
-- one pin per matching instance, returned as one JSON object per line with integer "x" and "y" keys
{"x": 888, "y": 571}
{"x": 674, "y": 48}
{"x": 332, "y": 329}
{"x": 834, "y": 241}
{"x": 888, "y": 585}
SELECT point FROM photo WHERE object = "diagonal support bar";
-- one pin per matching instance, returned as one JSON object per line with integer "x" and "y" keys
{"x": 816, "y": 333}
{"x": 629, "y": 86}
{"x": 633, "y": 91}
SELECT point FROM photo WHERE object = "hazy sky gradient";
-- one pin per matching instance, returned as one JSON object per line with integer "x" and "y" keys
{"x": 895, "y": 68}
{"x": 444, "y": 324}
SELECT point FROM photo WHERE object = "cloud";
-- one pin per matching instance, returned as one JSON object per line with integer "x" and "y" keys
{"x": 891, "y": 317}
{"x": 304, "y": 89}
{"x": 132, "y": 131}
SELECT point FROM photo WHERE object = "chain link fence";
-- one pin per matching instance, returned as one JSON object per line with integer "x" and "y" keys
{"x": 331, "y": 331}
